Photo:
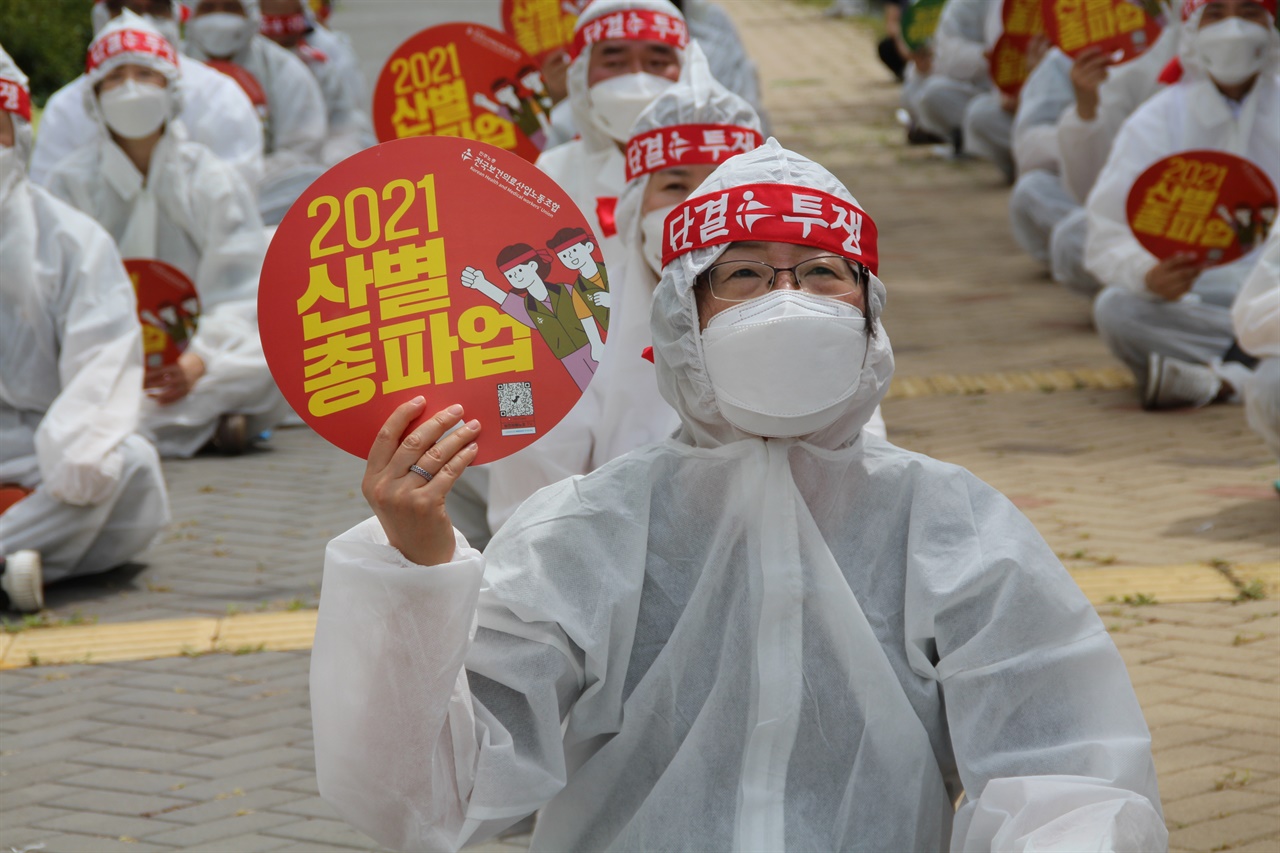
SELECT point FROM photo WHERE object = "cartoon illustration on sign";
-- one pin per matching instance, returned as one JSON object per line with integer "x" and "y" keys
{"x": 520, "y": 105}
{"x": 571, "y": 318}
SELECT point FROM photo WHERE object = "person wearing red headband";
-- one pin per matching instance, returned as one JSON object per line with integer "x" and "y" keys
{"x": 215, "y": 110}
{"x": 70, "y": 384}
{"x": 771, "y": 631}
{"x": 165, "y": 198}
{"x": 1169, "y": 320}
{"x": 291, "y": 24}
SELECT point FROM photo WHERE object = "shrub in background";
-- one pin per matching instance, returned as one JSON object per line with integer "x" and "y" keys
{"x": 48, "y": 40}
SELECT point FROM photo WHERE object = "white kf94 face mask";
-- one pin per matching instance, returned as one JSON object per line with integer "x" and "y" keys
{"x": 617, "y": 102}
{"x": 783, "y": 365}
{"x": 1233, "y": 50}
{"x": 651, "y": 237}
{"x": 221, "y": 34}
{"x": 134, "y": 110}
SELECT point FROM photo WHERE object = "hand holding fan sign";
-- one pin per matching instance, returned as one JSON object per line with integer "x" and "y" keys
{"x": 1198, "y": 209}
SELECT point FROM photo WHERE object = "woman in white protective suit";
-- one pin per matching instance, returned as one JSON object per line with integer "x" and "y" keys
{"x": 163, "y": 197}
{"x": 626, "y": 53}
{"x": 1256, "y": 318}
{"x": 771, "y": 631}
{"x": 295, "y": 126}
{"x": 70, "y": 383}
{"x": 1168, "y": 320}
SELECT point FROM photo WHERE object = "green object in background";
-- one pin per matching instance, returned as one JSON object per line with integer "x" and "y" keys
{"x": 919, "y": 21}
{"x": 48, "y": 40}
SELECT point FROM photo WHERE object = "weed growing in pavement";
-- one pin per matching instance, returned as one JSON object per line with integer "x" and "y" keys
{"x": 233, "y": 609}
{"x": 295, "y": 605}
{"x": 1138, "y": 599}
{"x": 45, "y": 619}
{"x": 1232, "y": 780}
{"x": 250, "y": 650}
{"x": 1254, "y": 590}
{"x": 1246, "y": 639}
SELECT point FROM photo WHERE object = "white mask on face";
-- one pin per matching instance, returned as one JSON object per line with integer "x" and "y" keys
{"x": 651, "y": 237}
{"x": 1232, "y": 50}
{"x": 784, "y": 364}
{"x": 617, "y": 102}
{"x": 135, "y": 110}
{"x": 221, "y": 34}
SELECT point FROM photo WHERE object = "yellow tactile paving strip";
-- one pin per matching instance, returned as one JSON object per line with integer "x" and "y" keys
{"x": 291, "y": 631}
{"x": 1105, "y": 379}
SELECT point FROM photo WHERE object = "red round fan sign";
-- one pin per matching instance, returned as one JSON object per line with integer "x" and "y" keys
{"x": 1008, "y": 63}
{"x": 434, "y": 266}
{"x": 463, "y": 80}
{"x": 168, "y": 308}
{"x": 1210, "y": 204}
{"x": 541, "y": 27}
{"x": 1120, "y": 28}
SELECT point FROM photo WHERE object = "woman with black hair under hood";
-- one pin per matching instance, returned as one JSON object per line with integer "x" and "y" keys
{"x": 771, "y": 631}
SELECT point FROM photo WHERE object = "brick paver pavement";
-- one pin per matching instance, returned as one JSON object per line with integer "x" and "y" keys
{"x": 213, "y": 752}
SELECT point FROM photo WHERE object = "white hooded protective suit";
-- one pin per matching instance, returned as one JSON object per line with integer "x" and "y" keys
{"x": 1190, "y": 114}
{"x": 1256, "y": 318}
{"x": 723, "y": 642}
{"x": 727, "y": 57}
{"x": 591, "y": 167}
{"x": 334, "y": 65}
{"x": 70, "y": 383}
{"x": 966, "y": 30}
{"x": 296, "y": 124}
{"x": 216, "y": 111}
{"x": 1039, "y": 201}
{"x": 191, "y": 211}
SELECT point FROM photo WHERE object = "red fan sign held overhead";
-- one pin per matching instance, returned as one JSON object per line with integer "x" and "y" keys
{"x": 463, "y": 80}
{"x": 434, "y": 266}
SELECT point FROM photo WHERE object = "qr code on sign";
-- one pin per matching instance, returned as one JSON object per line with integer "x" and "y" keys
{"x": 515, "y": 399}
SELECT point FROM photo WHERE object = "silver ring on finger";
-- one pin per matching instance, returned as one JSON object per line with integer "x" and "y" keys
{"x": 422, "y": 472}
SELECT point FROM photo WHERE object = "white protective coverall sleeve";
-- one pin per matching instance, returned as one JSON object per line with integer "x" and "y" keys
{"x": 720, "y": 642}
{"x": 1085, "y": 145}
{"x": 205, "y": 224}
{"x": 1256, "y": 312}
{"x": 215, "y": 110}
{"x": 964, "y": 35}
{"x": 1042, "y": 101}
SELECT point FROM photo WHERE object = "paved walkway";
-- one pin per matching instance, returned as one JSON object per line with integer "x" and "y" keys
{"x": 203, "y": 751}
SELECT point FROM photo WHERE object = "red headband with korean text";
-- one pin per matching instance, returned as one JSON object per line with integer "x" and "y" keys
{"x": 687, "y": 145}
{"x": 14, "y": 98}
{"x": 1190, "y": 7}
{"x": 129, "y": 41}
{"x": 284, "y": 25}
{"x": 775, "y": 213}
{"x": 633, "y": 25}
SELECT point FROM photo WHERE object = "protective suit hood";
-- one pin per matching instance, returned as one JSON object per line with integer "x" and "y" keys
{"x": 677, "y": 341}
{"x": 130, "y": 39}
{"x": 593, "y": 134}
{"x": 635, "y": 413}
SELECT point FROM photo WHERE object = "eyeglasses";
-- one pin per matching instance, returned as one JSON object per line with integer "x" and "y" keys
{"x": 827, "y": 275}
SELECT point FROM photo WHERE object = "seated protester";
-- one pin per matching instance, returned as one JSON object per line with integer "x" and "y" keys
{"x": 295, "y": 124}
{"x": 1229, "y": 100}
{"x": 1039, "y": 201}
{"x": 611, "y": 81}
{"x": 289, "y": 24}
{"x": 162, "y": 196}
{"x": 70, "y": 384}
{"x": 1105, "y": 95}
{"x": 216, "y": 111}
{"x": 958, "y": 73}
{"x": 713, "y": 31}
{"x": 1255, "y": 317}
{"x": 771, "y": 631}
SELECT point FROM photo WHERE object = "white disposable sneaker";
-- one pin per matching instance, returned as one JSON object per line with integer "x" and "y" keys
{"x": 23, "y": 581}
{"x": 1176, "y": 384}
